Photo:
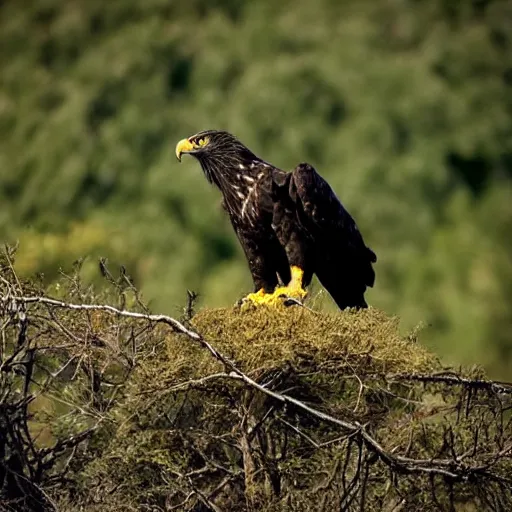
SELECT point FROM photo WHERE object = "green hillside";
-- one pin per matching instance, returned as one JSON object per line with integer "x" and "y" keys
{"x": 405, "y": 106}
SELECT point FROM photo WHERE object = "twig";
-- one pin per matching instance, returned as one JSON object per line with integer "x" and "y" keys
{"x": 183, "y": 386}
{"x": 497, "y": 387}
{"x": 298, "y": 431}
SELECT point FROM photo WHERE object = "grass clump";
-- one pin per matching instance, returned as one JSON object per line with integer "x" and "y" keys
{"x": 268, "y": 337}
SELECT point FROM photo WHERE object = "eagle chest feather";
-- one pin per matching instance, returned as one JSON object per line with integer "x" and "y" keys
{"x": 243, "y": 198}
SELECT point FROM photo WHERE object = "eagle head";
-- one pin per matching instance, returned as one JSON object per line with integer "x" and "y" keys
{"x": 219, "y": 153}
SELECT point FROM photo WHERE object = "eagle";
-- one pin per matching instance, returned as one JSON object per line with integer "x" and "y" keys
{"x": 290, "y": 224}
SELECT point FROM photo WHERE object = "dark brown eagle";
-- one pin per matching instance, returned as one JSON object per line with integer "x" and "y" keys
{"x": 291, "y": 224}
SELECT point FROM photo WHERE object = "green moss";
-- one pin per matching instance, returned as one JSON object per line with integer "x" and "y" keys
{"x": 261, "y": 339}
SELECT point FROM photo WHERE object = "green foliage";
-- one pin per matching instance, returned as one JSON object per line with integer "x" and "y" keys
{"x": 404, "y": 106}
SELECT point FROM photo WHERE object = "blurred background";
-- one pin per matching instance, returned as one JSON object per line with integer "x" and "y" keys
{"x": 404, "y": 106}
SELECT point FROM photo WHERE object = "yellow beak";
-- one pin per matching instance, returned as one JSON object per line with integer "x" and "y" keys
{"x": 183, "y": 146}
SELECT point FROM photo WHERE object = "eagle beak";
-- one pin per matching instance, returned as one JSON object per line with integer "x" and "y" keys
{"x": 183, "y": 146}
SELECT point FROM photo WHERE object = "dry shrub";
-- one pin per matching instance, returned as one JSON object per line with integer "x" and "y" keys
{"x": 265, "y": 409}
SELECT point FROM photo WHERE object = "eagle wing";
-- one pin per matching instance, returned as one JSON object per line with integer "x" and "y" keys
{"x": 342, "y": 261}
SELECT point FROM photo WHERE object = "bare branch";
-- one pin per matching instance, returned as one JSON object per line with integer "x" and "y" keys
{"x": 457, "y": 380}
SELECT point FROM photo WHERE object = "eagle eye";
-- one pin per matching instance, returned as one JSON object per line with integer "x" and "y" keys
{"x": 201, "y": 142}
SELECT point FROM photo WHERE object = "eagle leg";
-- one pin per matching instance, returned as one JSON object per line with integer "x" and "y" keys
{"x": 294, "y": 289}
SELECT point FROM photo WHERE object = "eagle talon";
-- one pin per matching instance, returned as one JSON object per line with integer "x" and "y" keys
{"x": 240, "y": 302}
{"x": 290, "y": 301}
{"x": 284, "y": 295}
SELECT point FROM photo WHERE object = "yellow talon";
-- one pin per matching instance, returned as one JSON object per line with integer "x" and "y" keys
{"x": 293, "y": 290}
{"x": 256, "y": 297}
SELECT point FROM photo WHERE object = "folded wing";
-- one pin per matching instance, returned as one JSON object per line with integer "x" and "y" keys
{"x": 341, "y": 259}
